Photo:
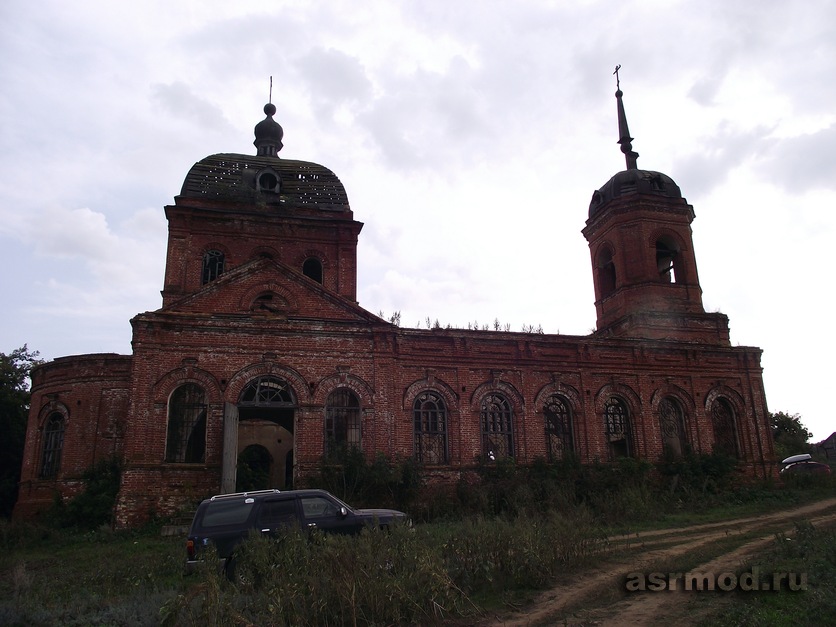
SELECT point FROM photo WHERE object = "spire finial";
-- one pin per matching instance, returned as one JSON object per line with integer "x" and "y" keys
{"x": 623, "y": 131}
{"x": 270, "y": 101}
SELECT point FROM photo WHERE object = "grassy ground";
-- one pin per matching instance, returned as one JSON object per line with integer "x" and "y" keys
{"x": 437, "y": 572}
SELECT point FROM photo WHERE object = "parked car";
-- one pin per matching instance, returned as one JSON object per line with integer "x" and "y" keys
{"x": 225, "y": 520}
{"x": 803, "y": 464}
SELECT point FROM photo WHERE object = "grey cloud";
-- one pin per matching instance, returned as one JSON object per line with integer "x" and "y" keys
{"x": 719, "y": 155}
{"x": 178, "y": 99}
{"x": 334, "y": 78}
{"x": 805, "y": 162}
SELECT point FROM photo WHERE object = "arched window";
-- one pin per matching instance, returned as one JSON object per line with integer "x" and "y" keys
{"x": 53, "y": 443}
{"x": 213, "y": 265}
{"x": 312, "y": 268}
{"x": 186, "y": 442}
{"x": 497, "y": 432}
{"x": 266, "y": 391}
{"x": 606, "y": 272}
{"x": 558, "y": 418}
{"x": 725, "y": 428}
{"x": 617, "y": 428}
{"x": 672, "y": 423}
{"x": 342, "y": 421}
{"x": 430, "y": 416}
{"x": 668, "y": 260}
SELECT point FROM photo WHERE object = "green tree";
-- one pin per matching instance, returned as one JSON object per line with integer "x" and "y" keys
{"x": 791, "y": 437}
{"x": 14, "y": 411}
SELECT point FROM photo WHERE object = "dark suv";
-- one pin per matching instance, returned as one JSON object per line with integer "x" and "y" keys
{"x": 226, "y": 519}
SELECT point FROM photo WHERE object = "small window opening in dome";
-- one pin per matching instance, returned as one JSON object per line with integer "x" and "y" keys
{"x": 312, "y": 268}
{"x": 268, "y": 182}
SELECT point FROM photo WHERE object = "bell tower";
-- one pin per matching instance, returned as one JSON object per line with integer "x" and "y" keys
{"x": 642, "y": 251}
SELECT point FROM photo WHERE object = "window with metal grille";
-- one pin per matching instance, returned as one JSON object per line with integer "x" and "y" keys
{"x": 672, "y": 422}
{"x": 186, "y": 442}
{"x": 558, "y": 418}
{"x": 342, "y": 421}
{"x": 213, "y": 265}
{"x": 617, "y": 428}
{"x": 497, "y": 428}
{"x": 53, "y": 444}
{"x": 266, "y": 390}
{"x": 430, "y": 417}
{"x": 725, "y": 428}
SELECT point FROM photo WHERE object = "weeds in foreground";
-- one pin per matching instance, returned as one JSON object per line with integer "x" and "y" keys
{"x": 810, "y": 550}
{"x": 423, "y": 575}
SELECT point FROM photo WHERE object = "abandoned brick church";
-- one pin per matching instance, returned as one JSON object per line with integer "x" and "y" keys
{"x": 260, "y": 353}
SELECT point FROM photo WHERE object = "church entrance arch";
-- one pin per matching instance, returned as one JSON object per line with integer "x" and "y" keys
{"x": 266, "y": 411}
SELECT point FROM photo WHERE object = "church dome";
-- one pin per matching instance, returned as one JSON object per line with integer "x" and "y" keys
{"x": 265, "y": 179}
{"x": 633, "y": 182}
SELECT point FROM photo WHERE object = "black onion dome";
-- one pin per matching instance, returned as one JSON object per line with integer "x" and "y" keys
{"x": 268, "y": 133}
{"x": 233, "y": 178}
{"x": 634, "y": 182}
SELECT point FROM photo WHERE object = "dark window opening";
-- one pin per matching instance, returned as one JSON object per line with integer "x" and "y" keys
{"x": 725, "y": 428}
{"x": 342, "y": 421}
{"x": 53, "y": 445}
{"x": 606, "y": 272}
{"x": 213, "y": 265}
{"x": 186, "y": 441}
{"x": 430, "y": 419}
{"x": 312, "y": 268}
{"x": 617, "y": 429}
{"x": 672, "y": 423}
{"x": 558, "y": 419}
{"x": 666, "y": 261}
{"x": 497, "y": 428}
{"x": 268, "y": 182}
{"x": 253, "y": 471}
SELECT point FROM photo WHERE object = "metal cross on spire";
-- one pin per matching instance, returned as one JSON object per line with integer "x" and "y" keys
{"x": 624, "y": 132}
{"x": 271, "y": 90}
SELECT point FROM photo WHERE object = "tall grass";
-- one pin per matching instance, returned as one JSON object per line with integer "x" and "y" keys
{"x": 422, "y": 575}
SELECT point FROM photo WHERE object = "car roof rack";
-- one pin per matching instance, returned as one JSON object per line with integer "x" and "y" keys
{"x": 244, "y": 494}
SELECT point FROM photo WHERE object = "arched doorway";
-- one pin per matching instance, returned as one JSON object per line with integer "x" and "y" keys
{"x": 264, "y": 435}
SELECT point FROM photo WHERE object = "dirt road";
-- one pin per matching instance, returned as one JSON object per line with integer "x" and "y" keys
{"x": 599, "y": 597}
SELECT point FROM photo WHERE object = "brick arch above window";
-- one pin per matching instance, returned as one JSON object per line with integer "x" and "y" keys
{"x": 558, "y": 389}
{"x": 52, "y": 407}
{"x": 620, "y": 391}
{"x": 430, "y": 384}
{"x": 664, "y": 233}
{"x": 734, "y": 398}
{"x": 283, "y": 298}
{"x": 173, "y": 379}
{"x": 312, "y": 253}
{"x": 668, "y": 390}
{"x": 502, "y": 387}
{"x": 298, "y": 385}
{"x": 361, "y": 388}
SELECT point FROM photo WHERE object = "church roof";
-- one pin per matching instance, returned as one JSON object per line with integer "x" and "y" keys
{"x": 246, "y": 179}
{"x": 265, "y": 179}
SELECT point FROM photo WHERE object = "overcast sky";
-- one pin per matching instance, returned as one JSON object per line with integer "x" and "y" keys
{"x": 469, "y": 136}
